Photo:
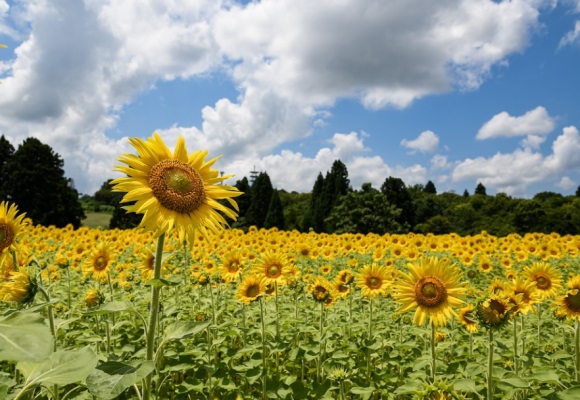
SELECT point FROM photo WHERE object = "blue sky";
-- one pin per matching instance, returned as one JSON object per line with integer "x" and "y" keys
{"x": 456, "y": 91}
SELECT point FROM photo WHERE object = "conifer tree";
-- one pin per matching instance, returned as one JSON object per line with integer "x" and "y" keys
{"x": 398, "y": 195}
{"x": 275, "y": 216}
{"x": 35, "y": 181}
{"x": 6, "y": 152}
{"x": 430, "y": 188}
{"x": 480, "y": 189}
{"x": 245, "y": 199}
{"x": 261, "y": 196}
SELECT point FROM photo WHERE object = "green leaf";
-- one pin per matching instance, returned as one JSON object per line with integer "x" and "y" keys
{"x": 514, "y": 382}
{"x": 163, "y": 282}
{"x": 62, "y": 368}
{"x": 112, "y": 378}
{"x": 24, "y": 337}
{"x": 545, "y": 377}
{"x": 183, "y": 329}
{"x": 112, "y": 307}
{"x": 465, "y": 385}
{"x": 572, "y": 393}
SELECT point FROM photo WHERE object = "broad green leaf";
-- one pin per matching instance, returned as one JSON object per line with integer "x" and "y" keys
{"x": 62, "y": 368}
{"x": 183, "y": 329}
{"x": 465, "y": 385}
{"x": 112, "y": 378}
{"x": 24, "y": 337}
{"x": 545, "y": 377}
{"x": 112, "y": 307}
{"x": 514, "y": 382}
{"x": 572, "y": 393}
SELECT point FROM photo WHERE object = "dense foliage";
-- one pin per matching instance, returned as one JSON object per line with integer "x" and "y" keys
{"x": 33, "y": 177}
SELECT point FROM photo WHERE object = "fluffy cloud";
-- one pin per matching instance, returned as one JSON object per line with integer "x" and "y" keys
{"x": 534, "y": 122}
{"x": 426, "y": 142}
{"x": 514, "y": 172}
{"x": 80, "y": 63}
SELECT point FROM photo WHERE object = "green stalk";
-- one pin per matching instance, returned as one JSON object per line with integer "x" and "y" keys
{"x": 539, "y": 325}
{"x": 52, "y": 328}
{"x": 264, "y": 368}
{"x": 14, "y": 261}
{"x": 276, "y": 299}
{"x": 433, "y": 354}
{"x": 320, "y": 345}
{"x": 369, "y": 340}
{"x": 153, "y": 314}
{"x": 577, "y": 350}
{"x": 490, "y": 367}
{"x": 516, "y": 346}
{"x": 68, "y": 280}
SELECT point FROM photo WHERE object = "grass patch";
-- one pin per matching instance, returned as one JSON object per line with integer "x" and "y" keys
{"x": 97, "y": 219}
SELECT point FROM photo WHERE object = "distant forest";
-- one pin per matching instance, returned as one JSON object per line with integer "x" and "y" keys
{"x": 333, "y": 206}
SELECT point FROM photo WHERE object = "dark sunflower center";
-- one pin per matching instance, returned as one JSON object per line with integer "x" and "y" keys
{"x": 100, "y": 263}
{"x": 273, "y": 271}
{"x": 430, "y": 292}
{"x": 320, "y": 293}
{"x": 573, "y": 301}
{"x": 177, "y": 186}
{"x": 6, "y": 236}
{"x": 497, "y": 308}
{"x": 374, "y": 282}
{"x": 543, "y": 282}
{"x": 252, "y": 291}
{"x": 234, "y": 266}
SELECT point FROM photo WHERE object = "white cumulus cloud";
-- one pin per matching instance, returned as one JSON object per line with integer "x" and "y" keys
{"x": 534, "y": 122}
{"x": 426, "y": 142}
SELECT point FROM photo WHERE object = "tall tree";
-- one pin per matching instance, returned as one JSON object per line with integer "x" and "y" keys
{"x": 314, "y": 218}
{"x": 35, "y": 181}
{"x": 336, "y": 185}
{"x": 430, "y": 188}
{"x": 480, "y": 189}
{"x": 398, "y": 195}
{"x": 275, "y": 215}
{"x": 261, "y": 196}
{"x": 6, "y": 152}
{"x": 246, "y": 198}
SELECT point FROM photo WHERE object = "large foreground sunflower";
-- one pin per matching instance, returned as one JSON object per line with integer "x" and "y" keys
{"x": 432, "y": 288}
{"x": 20, "y": 287}
{"x": 174, "y": 190}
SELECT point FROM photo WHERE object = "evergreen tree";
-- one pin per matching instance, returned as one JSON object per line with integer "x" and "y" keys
{"x": 314, "y": 217}
{"x": 6, "y": 152}
{"x": 35, "y": 181}
{"x": 275, "y": 216}
{"x": 336, "y": 185}
{"x": 398, "y": 195}
{"x": 465, "y": 193}
{"x": 245, "y": 199}
{"x": 430, "y": 188}
{"x": 261, "y": 196}
{"x": 480, "y": 189}
{"x": 577, "y": 194}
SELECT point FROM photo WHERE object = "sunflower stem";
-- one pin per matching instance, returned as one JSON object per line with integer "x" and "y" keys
{"x": 577, "y": 350}
{"x": 539, "y": 326}
{"x": 516, "y": 369}
{"x": 276, "y": 300}
{"x": 433, "y": 353}
{"x": 14, "y": 260}
{"x": 320, "y": 345}
{"x": 44, "y": 292}
{"x": 153, "y": 314}
{"x": 523, "y": 335}
{"x": 68, "y": 280}
{"x": 490, "y": 366}
{"x": 264, "y": 368}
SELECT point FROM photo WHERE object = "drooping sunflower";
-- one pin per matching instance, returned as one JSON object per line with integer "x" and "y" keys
{"x": 373, "y": 280}
{"x": 19, "y": 288}
{"x": 174, "y": 190}
{"x": 467, "y": 318}
{"x": 98, "y": 263}
{"x": 548, "y": 279}
{"x": 493, "y": 311}
{"x": 11, "y": 226}
{"x": 568, "y": 305}
{"x": 94, "y": 298}
{"x": 432, "y": 288}
{"x": 250, "y": 289}
{"x": 273, "y": 266}
{"x": 321, "y": 290}
{"x": 147, "y": 266}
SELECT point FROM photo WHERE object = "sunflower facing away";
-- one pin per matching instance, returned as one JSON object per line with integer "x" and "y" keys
{"x": 494, "y": 311}
{"x": 432, "y": 288}
{"x": 174, "y": 190}
{"x": 20, "y": 287}
{"x": 373, "y": 280}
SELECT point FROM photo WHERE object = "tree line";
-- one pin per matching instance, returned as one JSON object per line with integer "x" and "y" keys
{"x": 32, "y": 177}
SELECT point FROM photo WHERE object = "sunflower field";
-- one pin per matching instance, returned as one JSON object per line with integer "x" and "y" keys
{"x": 185, "y": 308}
{"x": 288, "y": 315}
